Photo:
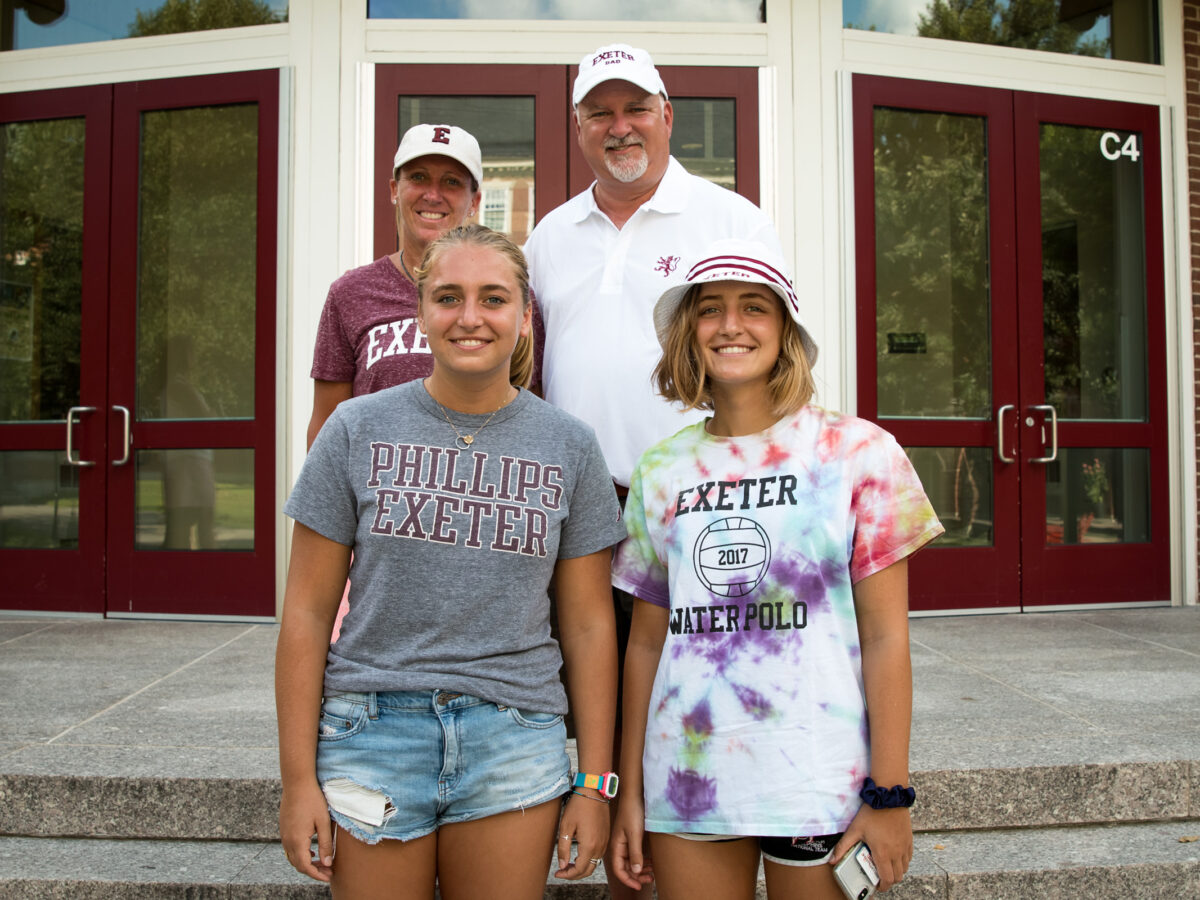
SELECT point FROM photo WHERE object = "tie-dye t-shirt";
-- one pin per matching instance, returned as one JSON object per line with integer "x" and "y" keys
{"x": 757, "y": 722}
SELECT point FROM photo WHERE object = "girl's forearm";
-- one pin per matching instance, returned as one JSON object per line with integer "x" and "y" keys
{"x": 590, "y": 661}
{"x": 887, "y": 679}
{"x": 881, "y": 605}
{"x": 587, "y": 631}
{"x": 316, "y": 579}
{"x": 641, "y": 665}
{"x": 299, "y": 675}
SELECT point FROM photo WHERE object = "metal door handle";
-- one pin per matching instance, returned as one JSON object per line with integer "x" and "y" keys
{"x": 71, "y": 414}
{"x": 1007, "y": 407}
{"x": 125, "y": 455}
{"x": 1045, "y": 407}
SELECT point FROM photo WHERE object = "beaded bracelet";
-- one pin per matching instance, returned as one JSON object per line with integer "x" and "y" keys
{"x": 886, "y": 798}
{"x": 590, "y": 797}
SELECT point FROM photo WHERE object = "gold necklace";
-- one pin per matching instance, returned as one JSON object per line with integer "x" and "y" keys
{"x": 464, "y": 441}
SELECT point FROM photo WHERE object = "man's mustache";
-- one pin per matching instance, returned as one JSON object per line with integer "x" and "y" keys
{"x": 620, "y": 143}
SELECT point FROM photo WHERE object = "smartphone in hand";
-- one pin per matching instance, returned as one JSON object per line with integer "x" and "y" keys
{"x": 856, "y": 874}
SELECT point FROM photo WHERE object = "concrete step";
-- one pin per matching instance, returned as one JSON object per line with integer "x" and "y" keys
{"x": 219, "y": 807}
{"x": 1101, "y": 862}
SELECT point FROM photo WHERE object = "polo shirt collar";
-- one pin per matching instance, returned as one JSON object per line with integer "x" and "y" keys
{"x": 670, "y": 197}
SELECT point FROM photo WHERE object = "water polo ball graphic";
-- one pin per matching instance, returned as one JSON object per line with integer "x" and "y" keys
{"x": 731, "y": 556}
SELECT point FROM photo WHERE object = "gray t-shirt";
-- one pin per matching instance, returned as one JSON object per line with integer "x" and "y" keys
{"x": 454, "y": 549}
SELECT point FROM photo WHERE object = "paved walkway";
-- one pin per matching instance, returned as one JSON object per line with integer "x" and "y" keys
{"x": 182, "y": 699}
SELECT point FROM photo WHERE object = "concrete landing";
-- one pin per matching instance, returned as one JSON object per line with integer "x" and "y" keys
{"x": 1055, "y": 754}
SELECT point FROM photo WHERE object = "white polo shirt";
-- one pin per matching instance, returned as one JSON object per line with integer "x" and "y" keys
{"x": 597, "y": 286}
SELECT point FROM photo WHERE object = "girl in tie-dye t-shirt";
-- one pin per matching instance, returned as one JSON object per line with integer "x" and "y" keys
{"x": 769, "y": 661}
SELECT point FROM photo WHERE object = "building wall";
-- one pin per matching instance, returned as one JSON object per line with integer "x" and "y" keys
{"x": 328, "y": 50}
{"x": 1191, "y": 52}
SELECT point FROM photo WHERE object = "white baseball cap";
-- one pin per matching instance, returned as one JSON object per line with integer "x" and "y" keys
{"x": 441, "y": 140}
{"x": 617, "y": 62}
{"x": 735, "y": 260}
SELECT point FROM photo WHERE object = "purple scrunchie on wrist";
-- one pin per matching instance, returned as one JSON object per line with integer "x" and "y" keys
{"x": 896, "y": 797}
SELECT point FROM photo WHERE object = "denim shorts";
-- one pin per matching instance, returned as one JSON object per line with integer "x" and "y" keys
{"x": 400, "y": 764}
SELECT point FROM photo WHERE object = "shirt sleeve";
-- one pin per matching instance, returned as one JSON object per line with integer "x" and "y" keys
{"x": 333, "y": 355}
{"x": 637, "y": 568}
{"x": 594, "y": 515}
{"x": 893, "y": 517}
{"x": 323, "y": 498}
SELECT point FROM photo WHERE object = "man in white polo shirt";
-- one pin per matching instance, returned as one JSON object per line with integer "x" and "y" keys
{"x": 599, "y": 263}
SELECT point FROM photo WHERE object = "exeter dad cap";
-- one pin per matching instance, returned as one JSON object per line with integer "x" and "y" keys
{"x": 617, "y": 62}
{"x": 735, "y": 260}
{"x": 441, "y": 140}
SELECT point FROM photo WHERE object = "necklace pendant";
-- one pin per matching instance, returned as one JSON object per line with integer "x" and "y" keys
{"x": 463, "y": 443}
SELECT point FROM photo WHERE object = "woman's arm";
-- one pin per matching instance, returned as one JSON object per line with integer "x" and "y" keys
{"x": 588, "y": 635}
{"x": 646, "y": 637}
{"x": 326, "y": 397}
{"x": 881, "y": 604}
{"x": 316, "y": 576}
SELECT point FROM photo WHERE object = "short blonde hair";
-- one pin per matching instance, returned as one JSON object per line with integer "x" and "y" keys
{"x": 520, "y": 366}
{"x": 681, "y": 376}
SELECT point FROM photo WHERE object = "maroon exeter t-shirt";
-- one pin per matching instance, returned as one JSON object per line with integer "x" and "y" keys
{"x": 368, "y": 332}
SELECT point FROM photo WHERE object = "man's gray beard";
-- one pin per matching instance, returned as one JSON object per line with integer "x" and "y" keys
{"x": 627, "y": 170}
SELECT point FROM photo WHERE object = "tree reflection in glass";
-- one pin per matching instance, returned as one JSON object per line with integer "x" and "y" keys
{"x": 41, "y": 268}
{"x": 931, "y": 265}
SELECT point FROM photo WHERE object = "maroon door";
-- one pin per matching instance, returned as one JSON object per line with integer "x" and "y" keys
{"x": 173, "y": 441}
{"x": 191, "y": 512}
{"x": 54, "y": 147}
{"x": 1094, "y": 490}
{"x": 1010, "y": 320}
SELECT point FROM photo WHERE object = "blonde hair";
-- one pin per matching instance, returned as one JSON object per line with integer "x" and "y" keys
{"x": 681, "y": 376}
{"x": 520, "y": 366}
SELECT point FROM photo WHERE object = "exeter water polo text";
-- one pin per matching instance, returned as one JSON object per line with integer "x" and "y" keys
{"x": 755, "y": 617}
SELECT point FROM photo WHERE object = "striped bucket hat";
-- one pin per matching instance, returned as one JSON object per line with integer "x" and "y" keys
{"x": 735, "y": 260}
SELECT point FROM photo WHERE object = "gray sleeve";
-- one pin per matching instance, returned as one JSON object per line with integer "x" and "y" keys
{"x": 594, "y": 521}
{"x": 323, "y": 498}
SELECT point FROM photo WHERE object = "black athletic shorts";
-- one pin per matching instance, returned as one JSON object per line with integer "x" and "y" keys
{"x": 786, "y": 851}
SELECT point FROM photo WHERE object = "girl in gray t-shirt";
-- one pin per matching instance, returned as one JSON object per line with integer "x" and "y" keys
{"x": 431, "y": 733}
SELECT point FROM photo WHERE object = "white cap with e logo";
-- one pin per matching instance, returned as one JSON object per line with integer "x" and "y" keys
{"x": 441, "y": 140}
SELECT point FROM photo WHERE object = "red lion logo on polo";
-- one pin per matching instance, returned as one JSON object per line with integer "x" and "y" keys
{"x": 667, "y": 265}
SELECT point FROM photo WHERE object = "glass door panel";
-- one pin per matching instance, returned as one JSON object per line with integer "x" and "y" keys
{"x": 196, "y": 263}
{"x": 704, "y": 138}
{"x": 39, "y": 501}
{"x": 1098, "y": 495}
{"x": 958, "y": 482}
{"x": 41, "y": 268}
{"x": 932, "y": 305}
{"x": 54, "y": 148}
{"x": 195, "y": 498}
{"x": 1093, "y": 273}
